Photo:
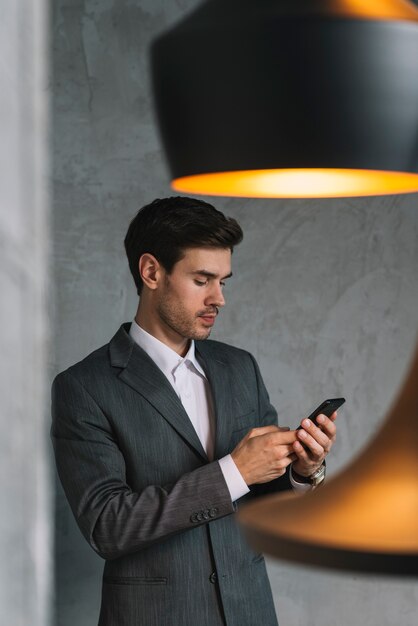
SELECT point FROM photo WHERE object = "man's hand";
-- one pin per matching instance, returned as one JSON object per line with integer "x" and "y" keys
{"x": 317, "y": 442}
{"x": 264, "y": 453}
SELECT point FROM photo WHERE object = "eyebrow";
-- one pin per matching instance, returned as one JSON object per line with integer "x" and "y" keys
{"x": 210, "y": 274}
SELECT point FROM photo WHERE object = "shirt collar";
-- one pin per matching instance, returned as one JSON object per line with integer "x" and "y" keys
{"x": 164, "y": 357}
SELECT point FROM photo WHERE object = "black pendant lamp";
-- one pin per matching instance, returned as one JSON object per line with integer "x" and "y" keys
{"x": 290, "y": 98}
{"x": 305, "y": 98}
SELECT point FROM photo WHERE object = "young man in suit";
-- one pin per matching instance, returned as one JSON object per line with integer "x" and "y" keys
{"x": 160, "y": 435}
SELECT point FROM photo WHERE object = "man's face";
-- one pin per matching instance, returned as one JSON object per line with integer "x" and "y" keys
{"x": 189, "y": 297}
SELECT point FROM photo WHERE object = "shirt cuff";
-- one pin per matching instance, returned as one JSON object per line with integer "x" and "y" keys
{"x": 298, "y": 486}
{"x": 234, "y": 481}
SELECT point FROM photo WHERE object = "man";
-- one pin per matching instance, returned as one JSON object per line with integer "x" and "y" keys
{"x": 160, "y": 435}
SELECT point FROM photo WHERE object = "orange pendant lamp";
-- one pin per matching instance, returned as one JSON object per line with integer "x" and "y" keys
{"x": 290, "y": 98}
{"x": 305, "y": 98}
{"x": 366, "y": 518}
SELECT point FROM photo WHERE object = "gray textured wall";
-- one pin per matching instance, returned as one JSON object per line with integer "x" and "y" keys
{"x": 25, "y": 477}
{"x": 324, "y": 293}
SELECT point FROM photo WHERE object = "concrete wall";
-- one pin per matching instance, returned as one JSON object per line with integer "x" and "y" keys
{"x": 25, "y": 478}
{"x": 324, "y": 293}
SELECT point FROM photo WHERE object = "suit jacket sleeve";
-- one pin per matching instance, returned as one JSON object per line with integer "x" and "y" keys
{"x": 114, "y": 519}
{"x": 268, "y": 416}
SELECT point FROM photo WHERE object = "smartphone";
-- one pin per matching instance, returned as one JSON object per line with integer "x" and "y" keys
{"x": 326, "y": 408}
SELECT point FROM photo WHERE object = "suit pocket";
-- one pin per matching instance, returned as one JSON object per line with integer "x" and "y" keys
{"x": 134, "y": 580}
{"x": 247, "y": 420}
{"x": 240, "y": 427}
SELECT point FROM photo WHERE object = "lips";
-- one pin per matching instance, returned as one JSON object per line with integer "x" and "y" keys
{"x": 208, "y": 319}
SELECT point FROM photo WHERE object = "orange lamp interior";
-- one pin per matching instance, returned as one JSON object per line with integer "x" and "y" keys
{"x": 298, "y": 183}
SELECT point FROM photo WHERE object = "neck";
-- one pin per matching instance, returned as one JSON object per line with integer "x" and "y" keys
{"x": 155, "y": 327}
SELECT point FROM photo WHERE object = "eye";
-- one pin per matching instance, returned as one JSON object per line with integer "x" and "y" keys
{"x": 201, "y": 283}
{"x": 222, "y": 284}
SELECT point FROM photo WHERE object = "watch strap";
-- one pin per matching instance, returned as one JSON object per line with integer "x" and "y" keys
{"x": 314, "y": 479}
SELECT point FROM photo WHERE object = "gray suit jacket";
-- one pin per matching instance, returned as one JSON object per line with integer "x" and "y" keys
{"x": 146, "y": 497}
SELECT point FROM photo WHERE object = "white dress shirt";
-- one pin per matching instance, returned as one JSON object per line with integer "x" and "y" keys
{"x": 189, "y": 381}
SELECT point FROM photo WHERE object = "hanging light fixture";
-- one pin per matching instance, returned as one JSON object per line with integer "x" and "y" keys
{"x": 366, "y": 518}
{"x": 304, "y": 98}
{"x": 290, "y": 98}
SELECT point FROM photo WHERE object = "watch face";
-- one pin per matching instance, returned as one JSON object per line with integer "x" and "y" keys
{"x": 318, "y": 476}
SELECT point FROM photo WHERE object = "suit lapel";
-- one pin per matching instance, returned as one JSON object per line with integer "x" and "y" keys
{"x": 141, "y": 374}
{"x": 219, "y": 377}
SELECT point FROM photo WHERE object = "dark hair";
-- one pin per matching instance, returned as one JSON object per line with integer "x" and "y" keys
{"x": 167, "y": 226}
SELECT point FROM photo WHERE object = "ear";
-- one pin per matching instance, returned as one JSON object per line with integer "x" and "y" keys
{"x": 150, "y": 271}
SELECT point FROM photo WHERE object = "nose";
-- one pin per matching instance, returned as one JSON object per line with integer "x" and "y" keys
{"x": 216, "y": 296}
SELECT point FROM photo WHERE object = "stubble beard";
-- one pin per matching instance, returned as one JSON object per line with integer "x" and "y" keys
{"x": 180, "y": 321}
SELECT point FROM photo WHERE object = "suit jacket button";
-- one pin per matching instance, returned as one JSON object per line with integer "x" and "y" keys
{"x": 199, "y": 517}
{"x": 213, "y": 578}
{"x": 193, "y": 518}
{"x": 213, "y": 512}
{"x": 206, "y": 515}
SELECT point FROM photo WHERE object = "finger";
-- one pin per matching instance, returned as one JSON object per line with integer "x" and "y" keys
{"x": 301, "y": 452}
{"x": 315, "y": 432}
{"x": 283, "y": 463}
{"x": 282, "y": 437}
{"x": 315, "y": 449}
{"x": 305, "y": 458}
{"x": 262, "y": 430}
{"x": 327, "y": 426}
{"x": 284, "y": 450}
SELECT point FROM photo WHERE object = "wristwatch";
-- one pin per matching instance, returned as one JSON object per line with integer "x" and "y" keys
{"x": 314, "y": 479}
